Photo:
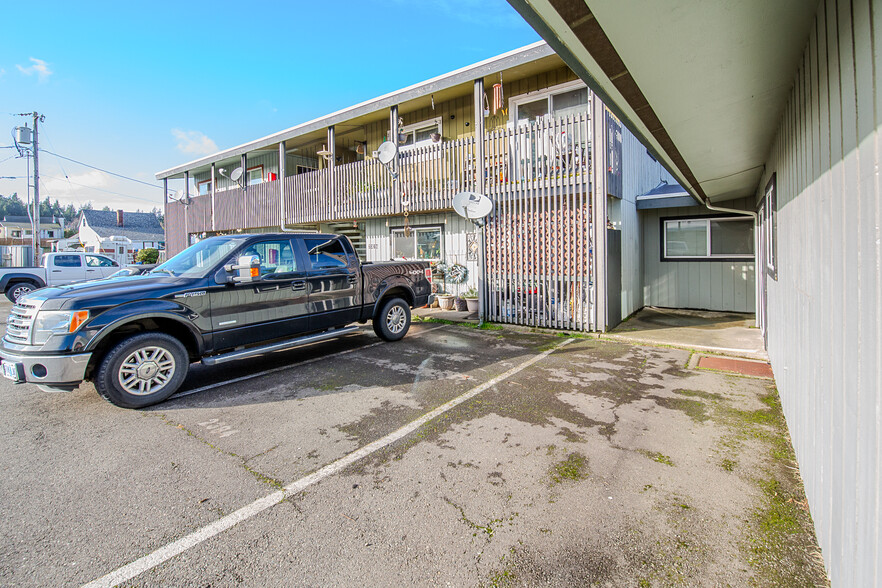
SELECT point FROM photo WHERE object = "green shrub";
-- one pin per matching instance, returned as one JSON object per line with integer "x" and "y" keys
{"x": 147, "y": 255}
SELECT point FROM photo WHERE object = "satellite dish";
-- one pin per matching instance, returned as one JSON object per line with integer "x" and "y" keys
{"x": 236, "y": 174}
{"x": 386, "y": 152}
{"x": 472, "y": 205}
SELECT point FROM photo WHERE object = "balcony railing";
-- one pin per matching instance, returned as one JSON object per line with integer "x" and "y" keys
{"x": 537, "y": 156}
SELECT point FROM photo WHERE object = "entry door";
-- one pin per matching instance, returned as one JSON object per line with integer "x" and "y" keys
{"x": 66, "y": 269}
{"x": 333, "y": 281}
{"x": 273, "y": 307}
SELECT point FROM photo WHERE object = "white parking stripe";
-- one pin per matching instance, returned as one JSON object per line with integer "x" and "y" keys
{"x": 169, "y": 551}
{"x": 287, "y": 367}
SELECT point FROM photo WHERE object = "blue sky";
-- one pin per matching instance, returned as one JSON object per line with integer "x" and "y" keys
{"x": 139, "y": 87}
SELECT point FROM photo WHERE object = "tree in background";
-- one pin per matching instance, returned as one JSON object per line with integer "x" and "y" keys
{"x": 147, "y": 255}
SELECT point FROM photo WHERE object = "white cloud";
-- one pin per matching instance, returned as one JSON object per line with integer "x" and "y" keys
{"x": 194, "y": 142}
{"x": 39, "y": 67}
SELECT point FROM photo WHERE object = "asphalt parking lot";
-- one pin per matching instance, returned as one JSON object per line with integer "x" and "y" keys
{"x": 547, "y": 460}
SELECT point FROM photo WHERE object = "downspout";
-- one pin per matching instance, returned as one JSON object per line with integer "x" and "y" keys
{"x": 282, "y": 226}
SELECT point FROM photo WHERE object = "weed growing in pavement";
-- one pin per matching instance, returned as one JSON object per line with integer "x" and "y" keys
{"x": 657, "y": 457}
{"x": 573, "y": 468}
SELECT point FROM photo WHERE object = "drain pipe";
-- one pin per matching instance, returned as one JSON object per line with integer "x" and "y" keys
{"x": 282, "y": 226}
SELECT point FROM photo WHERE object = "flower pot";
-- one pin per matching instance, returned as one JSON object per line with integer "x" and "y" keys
{"x": 445, "y": 301}
{"x": 472, "y": 304}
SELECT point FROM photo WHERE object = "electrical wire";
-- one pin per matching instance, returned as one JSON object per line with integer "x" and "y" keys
{"x": 98, "y": 189}
{"x": 102, "y": 170}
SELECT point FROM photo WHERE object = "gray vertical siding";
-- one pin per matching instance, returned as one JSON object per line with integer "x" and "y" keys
{"x": 824, "y": 326}
{"x": 640, "y": 173}
{"x": 708, "y": 285}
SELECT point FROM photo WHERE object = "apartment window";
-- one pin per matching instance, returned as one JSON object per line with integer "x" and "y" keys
{"x": 16, "y": 234}
{"x": 557, "y": 102}
{"x": 423, "y": 243}
{"x": 420, "y": 133}
{"x": 254, "y": 175}
{"x": 203, "y": 188}
{"x": 770, "y": 227}
{"x": 707, "y": 239}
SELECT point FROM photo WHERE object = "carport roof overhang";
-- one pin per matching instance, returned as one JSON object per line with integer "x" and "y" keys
{"x": 702, "y": 84}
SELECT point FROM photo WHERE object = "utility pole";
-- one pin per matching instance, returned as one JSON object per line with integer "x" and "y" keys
{"x": 35, "y": 217}
{"x": 37, "y": 118}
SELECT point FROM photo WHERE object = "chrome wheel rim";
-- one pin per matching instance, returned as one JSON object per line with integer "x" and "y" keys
{"x": 396, "y": 318}
{"x": 20, "y": 291}
{"x": 146, "y": 370}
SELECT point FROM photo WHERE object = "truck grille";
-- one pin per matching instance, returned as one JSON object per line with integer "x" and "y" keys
{"x": 18, "y": 325}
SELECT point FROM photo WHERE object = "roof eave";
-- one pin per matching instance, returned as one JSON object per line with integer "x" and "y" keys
{"x": 475, "y": 71}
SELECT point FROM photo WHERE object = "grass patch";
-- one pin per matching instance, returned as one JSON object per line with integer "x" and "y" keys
{"x": 728, "y": 465}
{"x": 573, "y": 469}
{"x": 657, "y": 457}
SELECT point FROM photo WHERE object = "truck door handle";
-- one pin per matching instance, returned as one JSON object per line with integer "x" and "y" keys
{"x": 56, "y": 271}
{"x": 298, "y": 285}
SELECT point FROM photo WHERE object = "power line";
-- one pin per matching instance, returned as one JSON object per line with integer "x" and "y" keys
{"x": 102, "y": 170}
{"x": 100, "y": 190}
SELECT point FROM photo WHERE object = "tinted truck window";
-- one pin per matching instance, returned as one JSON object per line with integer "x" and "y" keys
{"x": 326, "y": 254}
{"x": 68, "y": 261}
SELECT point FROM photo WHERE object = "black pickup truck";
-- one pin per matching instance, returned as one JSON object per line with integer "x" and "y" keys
{"x": 223, "y": 299}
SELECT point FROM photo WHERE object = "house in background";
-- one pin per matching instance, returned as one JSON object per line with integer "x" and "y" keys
{"x": 563, "y": 247}
{"x": 118, "y": 234}
{"x": 18, "y": 229}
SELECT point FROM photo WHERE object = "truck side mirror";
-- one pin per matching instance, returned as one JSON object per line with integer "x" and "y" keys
{"x": 246, "y": 269}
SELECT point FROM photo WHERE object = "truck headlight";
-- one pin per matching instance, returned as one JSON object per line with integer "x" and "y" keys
{"x": 57, "y": 322}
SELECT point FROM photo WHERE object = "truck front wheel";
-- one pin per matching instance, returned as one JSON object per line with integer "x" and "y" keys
{"x": 19, "y": 289}
{"x": 393, "y": 320}
{"x": 142, "y": 370}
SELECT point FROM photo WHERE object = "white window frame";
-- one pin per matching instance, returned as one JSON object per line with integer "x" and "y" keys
{"x": 248, "y": 171}
{"x": 546, "y": 93}
{"x": 412, "y": 128}
{"x": 199, "y": 185}
{"x": 710, "y": 256}
{"x": 413, "y": 230}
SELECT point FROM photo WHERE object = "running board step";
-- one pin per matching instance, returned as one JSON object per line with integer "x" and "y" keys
{"x": 290, "y": 344}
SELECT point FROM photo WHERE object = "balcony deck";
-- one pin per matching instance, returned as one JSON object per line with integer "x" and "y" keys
{"x": 517, "y": 162}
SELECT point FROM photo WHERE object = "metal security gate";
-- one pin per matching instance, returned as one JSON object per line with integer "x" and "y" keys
{"x": 539, "y": 246}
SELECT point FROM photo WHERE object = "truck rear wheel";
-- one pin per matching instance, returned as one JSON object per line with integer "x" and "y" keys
{"x": 393, "y": 320}
{"x": 142, "y": 370}
{"x": 19, "y": 289}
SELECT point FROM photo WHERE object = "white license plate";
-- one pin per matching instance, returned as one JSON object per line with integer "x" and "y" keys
{"x": 9, "y": 371}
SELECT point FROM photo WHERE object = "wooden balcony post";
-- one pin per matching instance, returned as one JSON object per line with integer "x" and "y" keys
{"x": 479, "y": 136}
{"x": 244, "y": 163}
{"x": 213, "y": 191}
{"x": 186, "y": 198}
{"x": 394, "y": 186}
{"x": 480, "y": 165}
{"x": 165, "y": 210}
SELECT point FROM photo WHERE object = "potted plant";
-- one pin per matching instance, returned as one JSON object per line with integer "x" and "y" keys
{"x": 445, "y": 300}
{"x": 458, "y": 274}
{"x": 471, "y": 299}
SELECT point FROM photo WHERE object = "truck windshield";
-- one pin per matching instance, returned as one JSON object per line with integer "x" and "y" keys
{"x": 196, "y": 260}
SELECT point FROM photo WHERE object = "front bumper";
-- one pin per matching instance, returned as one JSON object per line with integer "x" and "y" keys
{"x": 58, "y": 370}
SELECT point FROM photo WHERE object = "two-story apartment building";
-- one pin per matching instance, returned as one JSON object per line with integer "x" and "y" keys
{"x": 563, "y": 247}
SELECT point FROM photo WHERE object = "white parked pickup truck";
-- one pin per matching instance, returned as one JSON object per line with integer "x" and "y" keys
{"x": 58, "y": 269}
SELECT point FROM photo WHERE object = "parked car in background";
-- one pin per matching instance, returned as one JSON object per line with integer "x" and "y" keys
{"x": 57, "y": 269}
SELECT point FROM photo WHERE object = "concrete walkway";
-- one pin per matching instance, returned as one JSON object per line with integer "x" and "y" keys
{"x": 724, "y": 333}
{"x": 721, "y": 333}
